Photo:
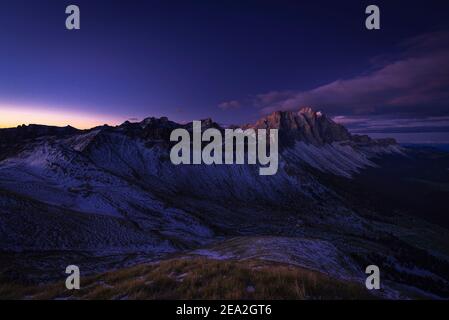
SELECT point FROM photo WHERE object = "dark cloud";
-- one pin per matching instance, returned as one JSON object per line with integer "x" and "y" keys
{"x": 383, "y": 124}
{"x": 414, "y": 82}
{"x": 229, "y": 105}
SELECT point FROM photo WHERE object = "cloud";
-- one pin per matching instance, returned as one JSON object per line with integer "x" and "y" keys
{"x": 385, "y": 124}
{"x": 229, "y": 105}
{"x": 414, "y": 82}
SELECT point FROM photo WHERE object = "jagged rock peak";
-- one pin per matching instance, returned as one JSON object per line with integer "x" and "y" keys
{"x": 152, "y": 121}
{"x": 304, "y": 125}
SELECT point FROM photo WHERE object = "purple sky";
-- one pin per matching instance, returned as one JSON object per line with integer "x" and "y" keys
{"x": 230, "y": 60}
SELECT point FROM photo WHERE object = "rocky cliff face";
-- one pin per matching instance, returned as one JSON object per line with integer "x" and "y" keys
{"x": 311, "y": 127}
{"x": 304, "y": 125}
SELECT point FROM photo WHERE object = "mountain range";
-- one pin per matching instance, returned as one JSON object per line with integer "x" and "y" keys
{"x": 109, "y": 197}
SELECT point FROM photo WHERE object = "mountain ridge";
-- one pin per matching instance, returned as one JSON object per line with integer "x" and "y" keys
{"x": 113, "y": 193}
{"x": 303, "y": 125}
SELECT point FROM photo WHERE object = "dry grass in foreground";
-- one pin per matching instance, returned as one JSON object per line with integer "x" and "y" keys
{"x": 199, "y": 278}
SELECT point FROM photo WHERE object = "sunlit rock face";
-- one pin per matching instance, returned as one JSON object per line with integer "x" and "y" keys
{"x": 310, "y": 127}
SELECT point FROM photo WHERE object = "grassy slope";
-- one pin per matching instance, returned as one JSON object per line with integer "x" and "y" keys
{"x": 199, "y": 278}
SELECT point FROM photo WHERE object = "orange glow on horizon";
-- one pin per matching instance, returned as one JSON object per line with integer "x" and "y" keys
{"x": 13, "y": 116}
